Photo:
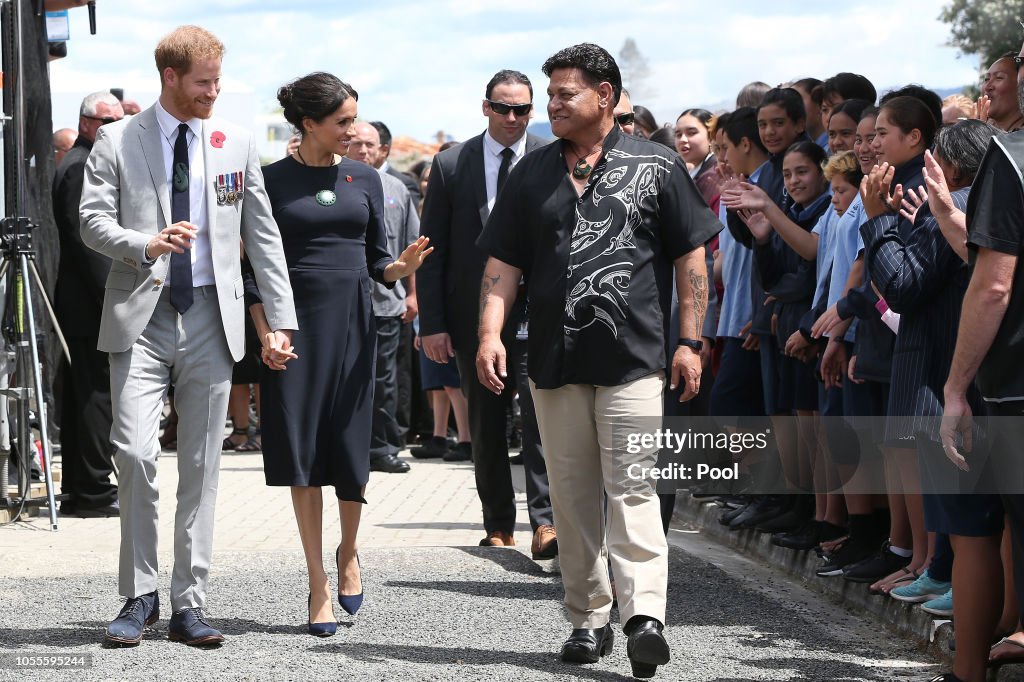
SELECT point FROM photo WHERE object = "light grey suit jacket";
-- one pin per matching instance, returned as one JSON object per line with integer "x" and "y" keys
{"x": 125, "y": 201}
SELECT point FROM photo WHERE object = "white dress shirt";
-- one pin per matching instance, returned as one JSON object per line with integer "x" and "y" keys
{"x": 492, "y": 163}
{"x": 202, "y": 258}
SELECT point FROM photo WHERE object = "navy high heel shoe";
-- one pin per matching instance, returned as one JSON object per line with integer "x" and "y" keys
{"x": 319, "y": 629}
{"x": 349, "y": 602}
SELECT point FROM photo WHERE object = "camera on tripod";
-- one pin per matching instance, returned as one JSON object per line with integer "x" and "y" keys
{"x": 24, "y": 432}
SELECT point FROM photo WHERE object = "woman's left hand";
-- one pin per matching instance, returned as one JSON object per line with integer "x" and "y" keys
{"x": 412, "y": 258}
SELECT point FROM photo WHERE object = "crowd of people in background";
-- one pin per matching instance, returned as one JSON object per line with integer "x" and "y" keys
{"x": 851, "y": 226}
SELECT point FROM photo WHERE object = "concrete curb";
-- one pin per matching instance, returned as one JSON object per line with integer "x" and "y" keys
{"x": 934, "y": 637}
{"x": 907, "y": 620}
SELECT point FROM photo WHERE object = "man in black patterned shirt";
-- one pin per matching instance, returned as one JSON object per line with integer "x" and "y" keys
{"x": 600, "y": 225}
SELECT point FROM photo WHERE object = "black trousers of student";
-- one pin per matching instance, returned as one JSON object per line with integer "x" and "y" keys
{"x": 86, "y": 417}
{"x": 487, "y": 421}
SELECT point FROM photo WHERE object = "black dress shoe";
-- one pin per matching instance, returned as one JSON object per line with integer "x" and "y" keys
{"x": 388, "y": 464}
{"x": 104, "y": 512}
{"x": 190, "y": 626}
{"x": 646, "y": 646}
{"x": 135, "y": 615}
{"x": 588, "y": 646}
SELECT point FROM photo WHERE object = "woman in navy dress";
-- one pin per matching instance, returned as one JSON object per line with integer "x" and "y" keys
{"x": 317, "y": 414}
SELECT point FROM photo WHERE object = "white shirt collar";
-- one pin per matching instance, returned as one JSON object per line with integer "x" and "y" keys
{"x": 494, "y": 147}
{"x": 169, "y": 124}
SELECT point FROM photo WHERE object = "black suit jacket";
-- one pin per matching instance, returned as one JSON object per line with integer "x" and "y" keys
{"x": 410, "y": 184}
{"x": 83, "y": 272}
{"x": 454, "y": 213}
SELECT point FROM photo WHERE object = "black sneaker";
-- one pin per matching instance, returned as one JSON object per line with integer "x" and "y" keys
{"x": 437, "y": 446}
{"x": 727, "y": 517}
{"x": 808, "y": 536}
{"x": 763, "y": 510}
{"x": 876, "y": 567}
{"x": 791, "y": 520}
{"x": 849, "y": 554}
{"x": 462, "y": 452}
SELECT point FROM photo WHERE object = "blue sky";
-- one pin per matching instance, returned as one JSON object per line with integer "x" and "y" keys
{"x": 422, "y": 66}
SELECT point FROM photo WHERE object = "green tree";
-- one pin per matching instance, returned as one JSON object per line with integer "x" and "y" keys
{"x": 986, "y": 28}
{"x": 635, "y": 70}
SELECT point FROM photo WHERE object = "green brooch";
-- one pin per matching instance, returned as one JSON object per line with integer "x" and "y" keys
{"x": 326, "y": 197}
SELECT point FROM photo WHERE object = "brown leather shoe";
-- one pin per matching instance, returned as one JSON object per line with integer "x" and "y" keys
{"x": 498, "y": 538}
{"x": 545, "y": 543}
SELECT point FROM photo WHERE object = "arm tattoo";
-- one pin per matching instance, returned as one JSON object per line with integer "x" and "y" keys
{"x": 699, "y": 287}
{"x": 486, "y": 287}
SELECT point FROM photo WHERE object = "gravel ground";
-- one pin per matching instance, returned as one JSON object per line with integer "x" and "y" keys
{"x": 444, "y": 614}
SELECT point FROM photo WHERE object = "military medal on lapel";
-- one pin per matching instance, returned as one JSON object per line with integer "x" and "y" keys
{"x": 221, "y": 186}
{"x": 229, "y": 188}
{"x": 326, "y": 197}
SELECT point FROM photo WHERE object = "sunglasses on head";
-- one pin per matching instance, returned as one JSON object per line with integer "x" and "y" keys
{"x": 105, "y": 119}
{"x": 626, "y": 118}
{"x": 1018, "y": 61}
{"x": 502, "y": 109}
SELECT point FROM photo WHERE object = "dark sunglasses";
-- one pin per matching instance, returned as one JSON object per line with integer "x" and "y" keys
{"x": 105, "y": 119}
{"x": 1018, "y": 61}
{"x": 502, "y": 109}
{"x": 626, "y": 118}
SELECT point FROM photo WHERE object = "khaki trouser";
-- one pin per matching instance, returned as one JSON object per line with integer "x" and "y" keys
{"x": 576, "y": 423}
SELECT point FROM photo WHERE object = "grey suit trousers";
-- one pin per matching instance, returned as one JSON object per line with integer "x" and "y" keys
{"x": 189, "y": 351}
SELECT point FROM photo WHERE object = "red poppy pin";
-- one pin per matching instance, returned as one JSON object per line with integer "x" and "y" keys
{"x": 217, "y": 139}
{"x": 348, "y": 178}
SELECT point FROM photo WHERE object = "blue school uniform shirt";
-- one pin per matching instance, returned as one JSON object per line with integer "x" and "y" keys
{"x": 822, "y": 142}
{"x": 848, "y": 245}
{"x": 737, "y": 306}
{"x": 825, "y": 229}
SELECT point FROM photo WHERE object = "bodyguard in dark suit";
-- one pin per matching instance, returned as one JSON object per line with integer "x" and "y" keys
{"x": 464, "y": 182}
{"x": 86, "y": 415}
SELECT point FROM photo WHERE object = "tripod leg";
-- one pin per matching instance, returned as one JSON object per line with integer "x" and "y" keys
{"x": 37, "y": 381}
{"x": 49, "y": 311}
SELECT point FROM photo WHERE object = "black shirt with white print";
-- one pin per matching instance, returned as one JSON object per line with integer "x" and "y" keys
{"x": 598, "y": 265}
{"x": 995, "y": 220}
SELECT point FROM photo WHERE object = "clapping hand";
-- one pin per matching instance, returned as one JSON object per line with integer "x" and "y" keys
{"x": 757, "y": 223}
{"x": 874, "y": 190}
{"x": 982, "y": 108}
{"x": 912, "y": 202}
{"x": 940, "y": 200}
{"x": 744, "y": 195}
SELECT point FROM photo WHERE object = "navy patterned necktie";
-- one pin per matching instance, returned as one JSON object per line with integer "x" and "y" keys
{"x": 181, "y": 263}
{"x": 506, "y": 164}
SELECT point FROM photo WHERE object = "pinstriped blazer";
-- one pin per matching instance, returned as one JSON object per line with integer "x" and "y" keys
{"x": 922, "y": 278}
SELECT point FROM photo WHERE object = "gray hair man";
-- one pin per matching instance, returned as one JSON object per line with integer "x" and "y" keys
{"x": 82, "y": 275}
{"x": 392, "y": 308}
